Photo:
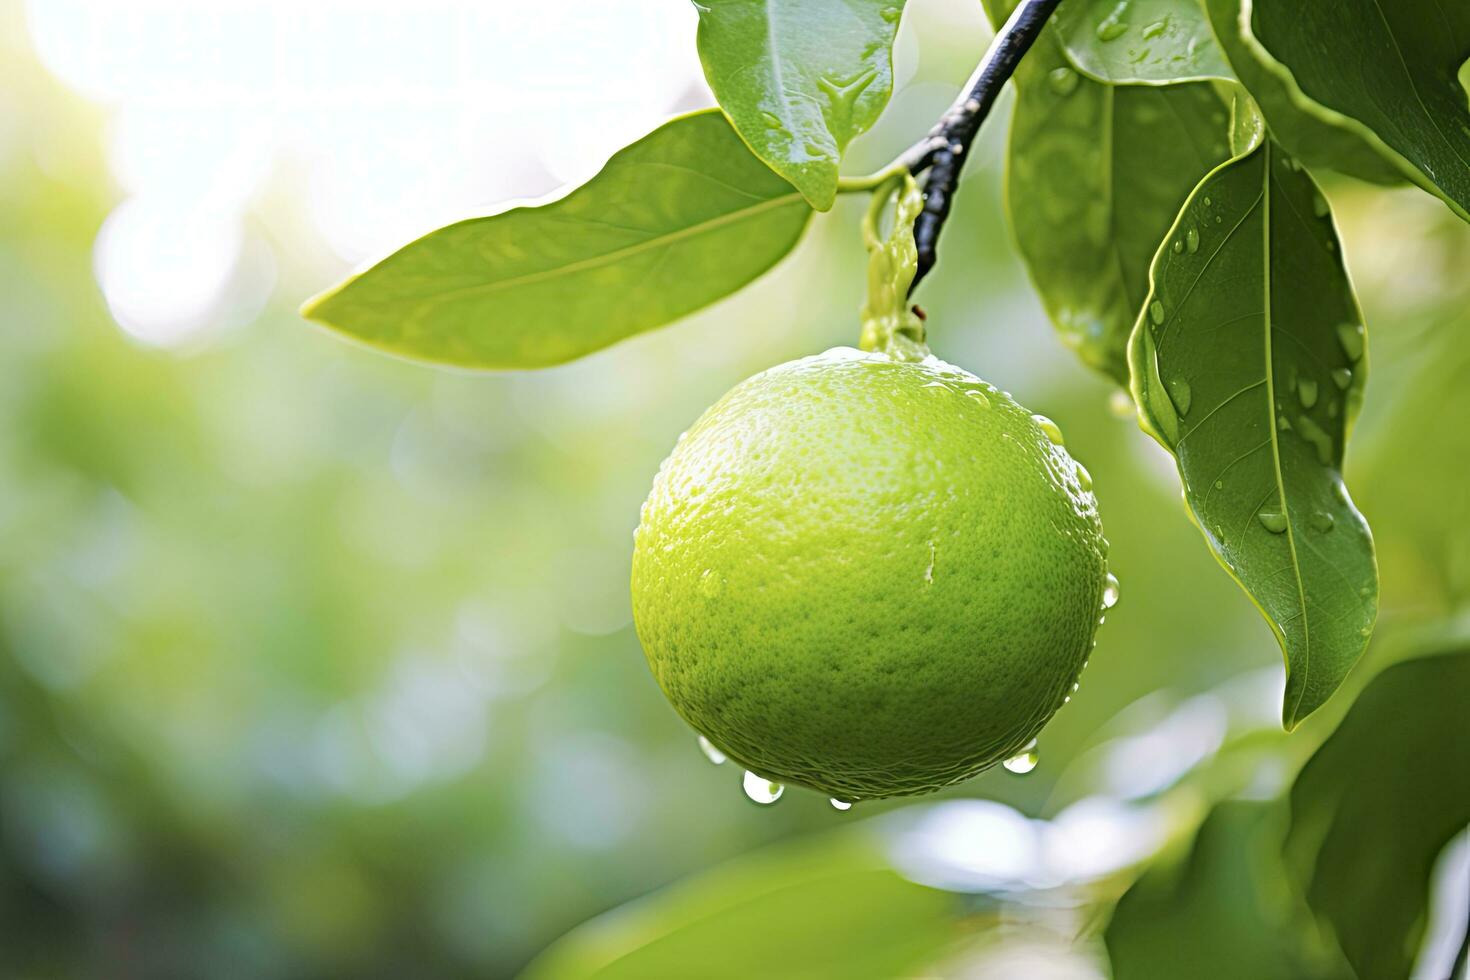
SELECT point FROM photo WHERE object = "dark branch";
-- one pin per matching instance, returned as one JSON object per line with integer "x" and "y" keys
{"x": 944, "y": 151}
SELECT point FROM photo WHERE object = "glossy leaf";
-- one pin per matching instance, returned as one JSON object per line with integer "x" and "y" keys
{"x": 1147, "y": 42}
{"x": 1401, "y": 91}
{"x": 800, "y": 78}
{"x": 672, "y": 223}
{"x": 1220, "y": 913}
{"x": 1299, "y": 128}
{"x": 828, "y": 907}
{"x": 1095, "y": 175}
{"x": 1377, "y": 803}
{"x": 1248, "y": 365}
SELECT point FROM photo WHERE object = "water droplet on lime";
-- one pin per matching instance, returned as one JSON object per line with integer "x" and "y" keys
{"x": 1025, "y": 760}
{"x": 760, "y": 789}
{"x": 710, "y": 752}
{"x": 1052, "y": 430}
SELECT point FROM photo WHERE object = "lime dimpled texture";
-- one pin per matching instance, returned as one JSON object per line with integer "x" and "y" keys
{"x": 868, "y": 576}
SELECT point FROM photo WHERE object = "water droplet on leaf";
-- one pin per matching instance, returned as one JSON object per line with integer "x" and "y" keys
{"x": 1350, "y": 336}
{"x": 1180, "y": 395}
{"x": 1322, "y": 521}
{"x": 1156, "y": 28}
{"x": 1062, "y": 81}
{"x": 1110, "y": 591}
{"x": 1342, "y": 377}
{"x": 1307, "y": 392}
{"x": 840, "y": 804}
{"x": 1317, "y": 436}
{"x": 1084, "y": 478}
{"x": 1191, "y": 240}
{"x": 1156, "y": 312}
{"x": 1272, "y": 520}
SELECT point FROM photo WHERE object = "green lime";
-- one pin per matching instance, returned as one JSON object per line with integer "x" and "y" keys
{"x": 869, "y": 576}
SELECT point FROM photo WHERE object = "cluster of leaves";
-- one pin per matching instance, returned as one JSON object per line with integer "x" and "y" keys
{"x": 1161, "y": 194}
{"x": 1176, "y": 137}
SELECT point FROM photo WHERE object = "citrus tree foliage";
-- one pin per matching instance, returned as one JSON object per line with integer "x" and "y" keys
{"x": 1160, "y": 195}
{"x": 799, "y": 79}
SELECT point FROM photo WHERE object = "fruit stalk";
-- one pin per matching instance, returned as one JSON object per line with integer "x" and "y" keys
{"x": 944, "y": 151}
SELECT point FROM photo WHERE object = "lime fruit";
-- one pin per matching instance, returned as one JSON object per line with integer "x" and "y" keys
{"x": 870, "y": 576}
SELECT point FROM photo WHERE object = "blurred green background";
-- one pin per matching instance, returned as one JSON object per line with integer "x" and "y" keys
{"x": 316, "y": 663}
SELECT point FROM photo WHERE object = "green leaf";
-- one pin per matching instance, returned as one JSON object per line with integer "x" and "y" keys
{"x": 1316, "y": 138}
{"x": 825, "y": 908}
{"x": 672, "y": 223}
{"x": 1147, "y": 42}
{"x": 1095, "y": 175}
{"x": 1386, "y": 69}
{"x": 1377, "y": 803}
{"x": 1248, "y": 365}
{"x": 800, "y": 78}
{"x": 1221, "y": 913}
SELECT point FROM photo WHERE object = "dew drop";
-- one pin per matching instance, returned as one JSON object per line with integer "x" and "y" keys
{"x": 1180, "y": 395}
{"x": 937, "y": 384}
{"x": 1350, "y": 336}
{"x": 840, "y": 804}
{"x": 1322, "y": 522}
{"x": 1283, "y": 423}
{"x": 1219, "y": 484}
{"x": 1307, "y": 392}
{"x": 1111, "y": 29}
{"x": 710, "y": 752}
{"x": 772, "y": 120}
{"x": 1052, "y": 430}
{"x": 1156, "y": 312}
{"x": 1025, "y": 760}
{"x": 1218, "y": 219}
{"x": 761, "y": 790}
{"x": 1319, "y": 205}
{"x": 979, "y": 396}
{"x": 1272, "y": 520}
{"x": 1156, "y": 28}
{"x": 1062, "y": 81}
{"x": 1317, "y": 436}
{"x": 1342, "y": 377}
{"x": 1207, "y": 200}
{"x": 890, "y": 14}
{"x": 1191, "y": 240}
{"x": 1084, "y": 478}
{"x": 1178, "y": 246}
{"x": 1110, "y": 591}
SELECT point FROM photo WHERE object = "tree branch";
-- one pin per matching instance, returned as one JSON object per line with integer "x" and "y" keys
{"x": 944, "y": 151}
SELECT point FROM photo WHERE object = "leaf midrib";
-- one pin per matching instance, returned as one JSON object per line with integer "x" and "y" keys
{"x": 596, "y": 261}
{"x": 1296, "y": 567}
